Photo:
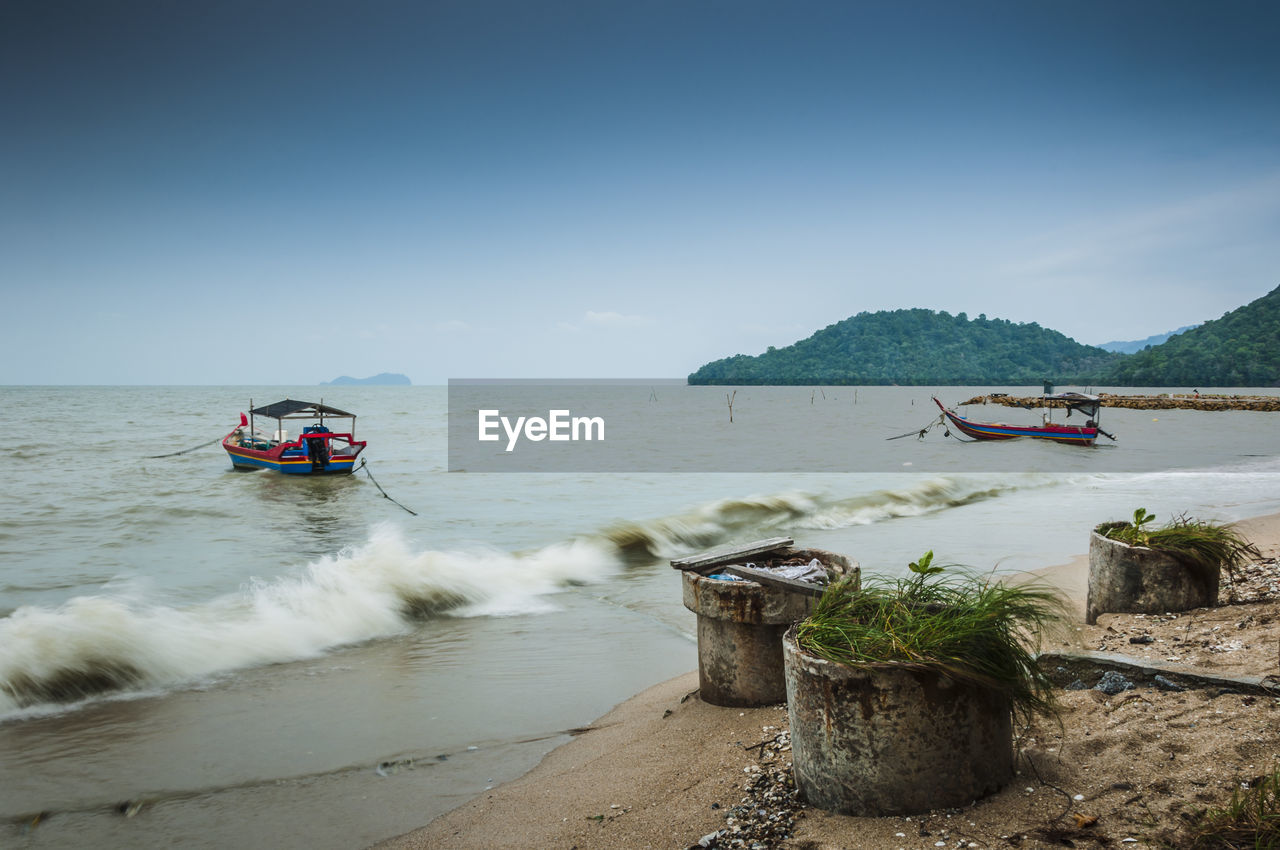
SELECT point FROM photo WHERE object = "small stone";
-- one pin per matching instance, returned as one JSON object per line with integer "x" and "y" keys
{"x": 1078, "y": 798}
{"x": 1113, "y": 683}
{"x": 1142, "y": 639}
{"x": 1167, "y": 684}
{"x": 1077, "y": 685}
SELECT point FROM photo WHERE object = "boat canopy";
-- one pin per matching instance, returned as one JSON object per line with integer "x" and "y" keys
{"x": 292, "y": 409}
{"x": 1082, "y": 402}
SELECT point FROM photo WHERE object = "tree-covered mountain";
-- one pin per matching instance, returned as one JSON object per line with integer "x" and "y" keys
{"x": 919, "y": 347}
{"x": 1242, "y": 349}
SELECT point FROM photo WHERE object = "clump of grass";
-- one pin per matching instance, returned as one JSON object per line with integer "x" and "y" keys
{"x": 1250, "y": 820}
{"x": 957, "y": 623}
{"x": 1203, "y": 547}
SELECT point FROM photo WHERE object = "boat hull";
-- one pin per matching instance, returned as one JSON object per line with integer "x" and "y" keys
{"x": 290, "y": 459}
{"x": 1075, "y": 435}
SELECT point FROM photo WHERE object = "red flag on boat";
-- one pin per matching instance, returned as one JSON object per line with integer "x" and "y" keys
{"x": 244, "y": 421}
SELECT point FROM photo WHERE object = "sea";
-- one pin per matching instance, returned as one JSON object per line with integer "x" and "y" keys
{"x": 201, "y": 657}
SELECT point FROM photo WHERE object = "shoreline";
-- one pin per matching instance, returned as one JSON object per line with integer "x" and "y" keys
{"x": 662, "y": 768}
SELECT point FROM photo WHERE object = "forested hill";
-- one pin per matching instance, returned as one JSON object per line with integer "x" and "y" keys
{"x": 917, "y": 347}
{"x": 1242, "y": 349}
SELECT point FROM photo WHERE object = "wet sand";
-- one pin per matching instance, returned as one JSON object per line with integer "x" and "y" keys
{"x": 663, "y": 769}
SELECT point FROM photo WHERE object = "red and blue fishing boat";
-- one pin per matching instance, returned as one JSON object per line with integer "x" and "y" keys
{"x": 1076, "y": 435}
{"x": 318, "y": 450}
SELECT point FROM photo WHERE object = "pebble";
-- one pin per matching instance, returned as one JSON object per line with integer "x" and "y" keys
{"x": 765, "y": 817}
{"x": 1113, "y": 683}
{"x": 1167, "y": 684}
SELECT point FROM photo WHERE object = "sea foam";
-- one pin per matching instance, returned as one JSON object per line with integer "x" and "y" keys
{"x": 98, "y": 644}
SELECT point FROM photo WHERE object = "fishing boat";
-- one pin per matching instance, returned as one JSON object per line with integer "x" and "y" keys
{"x": 1076, "y": 435}
{"x": 318, "y": 450}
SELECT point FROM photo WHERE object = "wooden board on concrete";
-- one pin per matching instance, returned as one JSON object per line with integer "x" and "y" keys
{"x": 729, "y": 554}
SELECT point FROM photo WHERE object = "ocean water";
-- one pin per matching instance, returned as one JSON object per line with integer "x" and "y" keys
{"x": 195, "y": 656}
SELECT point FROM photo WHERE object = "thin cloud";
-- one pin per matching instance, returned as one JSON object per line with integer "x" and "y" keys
{"x": 1196, "y": 223}
{"x": 609, "y": 318}
{"x": 452, "y": 326}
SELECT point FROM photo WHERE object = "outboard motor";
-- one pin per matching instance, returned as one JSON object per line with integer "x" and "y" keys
{"x": 317, "y": 447}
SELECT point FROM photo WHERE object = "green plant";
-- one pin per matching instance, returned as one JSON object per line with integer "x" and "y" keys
{"x": 1201, "y": 546}
{"x": 1131, "y": 532}
{"x": 1250, "y": 820}
{"x": 953, "y": 622}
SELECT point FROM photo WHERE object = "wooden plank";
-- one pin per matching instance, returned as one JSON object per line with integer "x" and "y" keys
{"x": 729, "y": 554}
{"x": 772, "y": 579}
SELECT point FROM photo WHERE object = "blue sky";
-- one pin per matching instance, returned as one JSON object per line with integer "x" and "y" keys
{"x": 604, "y": 189}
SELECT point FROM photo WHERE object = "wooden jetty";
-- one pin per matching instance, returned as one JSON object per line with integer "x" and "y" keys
{"x": 1164, "y": 401}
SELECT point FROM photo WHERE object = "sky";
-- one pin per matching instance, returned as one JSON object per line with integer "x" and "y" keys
{"x": 282, "y": 192}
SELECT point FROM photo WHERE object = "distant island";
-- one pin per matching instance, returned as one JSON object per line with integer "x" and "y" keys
{"x": 1136, "y": 345}
{"x": 385, "y": 379}
{"x": 926, "y": 347}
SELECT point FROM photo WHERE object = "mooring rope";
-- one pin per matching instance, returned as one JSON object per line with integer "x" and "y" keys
{"x": 184, "y": 451}
{"x": 947, "y": 433}
{"x": 918, "y": 434}
{"x": 364, "y": 464}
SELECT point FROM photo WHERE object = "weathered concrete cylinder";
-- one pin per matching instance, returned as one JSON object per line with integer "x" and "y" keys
{"x": 1137, "y": 580}
{"x": 884, "y": 740}
{"x": 740, "y": 628}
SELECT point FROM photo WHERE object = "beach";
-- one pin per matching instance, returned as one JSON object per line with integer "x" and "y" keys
{"x": 194, "y": 656}
{"x": 665, "y": 770}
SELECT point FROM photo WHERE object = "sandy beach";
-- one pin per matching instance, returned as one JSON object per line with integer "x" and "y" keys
{"x": 665, "y": 770}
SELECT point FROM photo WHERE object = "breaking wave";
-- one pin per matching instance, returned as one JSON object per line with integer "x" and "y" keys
{"x": 721, "y": 521}
{"x": 94, "y": 645}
